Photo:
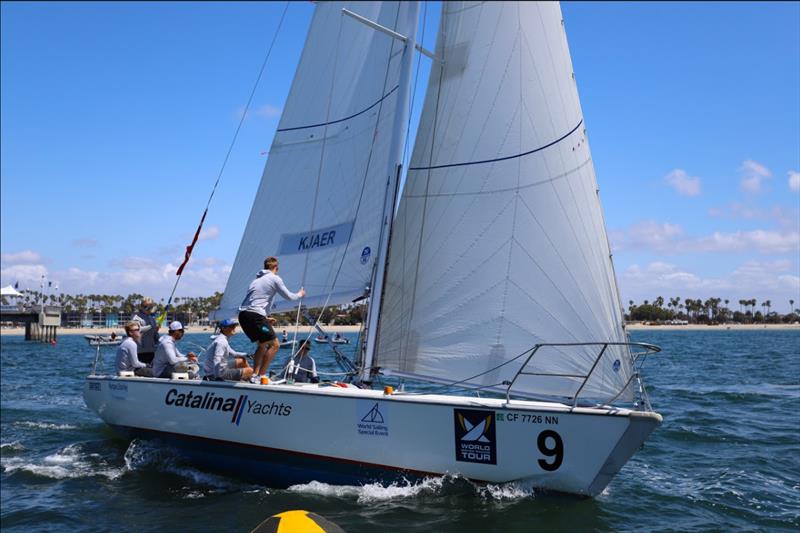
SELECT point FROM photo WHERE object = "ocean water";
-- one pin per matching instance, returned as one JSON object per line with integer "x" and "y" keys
{"x": 726, "y": 458}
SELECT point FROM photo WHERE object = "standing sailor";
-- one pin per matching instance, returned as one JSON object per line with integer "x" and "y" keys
{"x": 254, "y": 311}
{"x": 149, "y": 330}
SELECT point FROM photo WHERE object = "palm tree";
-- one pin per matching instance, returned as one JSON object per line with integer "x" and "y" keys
{"x": 791, "y": 307}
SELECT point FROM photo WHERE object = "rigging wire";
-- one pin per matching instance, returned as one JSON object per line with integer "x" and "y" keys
{"x": 189, "y": 248}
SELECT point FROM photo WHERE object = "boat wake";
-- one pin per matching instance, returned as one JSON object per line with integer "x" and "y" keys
{"x": 71, "y": 462}
{"x": 146, "y": 455}
{"x": 44, "y": 425}
{"x": 11, "y": 447}
{"x": 433, "y": 486}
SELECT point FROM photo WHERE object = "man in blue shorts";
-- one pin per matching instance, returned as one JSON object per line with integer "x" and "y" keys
{"x": 254, "y": 314}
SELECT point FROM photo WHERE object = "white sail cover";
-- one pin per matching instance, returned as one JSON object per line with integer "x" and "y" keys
{"x": 319, "y": 205}
{"x": 499, "y": 242}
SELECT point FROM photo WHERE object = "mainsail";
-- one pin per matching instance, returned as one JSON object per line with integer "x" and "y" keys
{"x": 499, "y": 242}
{"x": 321, "y": 198}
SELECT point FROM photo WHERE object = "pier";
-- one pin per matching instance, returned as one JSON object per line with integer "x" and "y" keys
{"x": 41, "y": 321}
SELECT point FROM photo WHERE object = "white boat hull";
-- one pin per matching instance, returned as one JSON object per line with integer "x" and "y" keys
{"x": 287, "y": 434}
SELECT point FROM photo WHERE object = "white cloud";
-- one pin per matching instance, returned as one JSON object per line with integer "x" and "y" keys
{"x": 268, "y": 111}
{"x": 784, "y": 217}
{"x": 84, "y": 243}
{"x": 794, "y": 180}
{"x": 775, "y": 280}
{"x": 647, "y": 235}
{"x": 130, "y": 274}
{"x": 28, "y": 276}
{"x": 134, "y": 263}
{"x": 759, "y": 240}
{"x": 25, "y": 257}
{"x": 265, "y": 111}
{"x": 208, "y": 234}
{"x": 683, "y": 183}
{"x": 670, "y": 239}
{"x": 753, "y": 174}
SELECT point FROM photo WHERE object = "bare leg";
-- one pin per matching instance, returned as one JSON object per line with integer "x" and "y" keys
{"x": 271, "y": 351}
{"x": 258, "y": 358}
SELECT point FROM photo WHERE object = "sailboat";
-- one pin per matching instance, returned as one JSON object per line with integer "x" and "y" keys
{"x": 488, "y": 271}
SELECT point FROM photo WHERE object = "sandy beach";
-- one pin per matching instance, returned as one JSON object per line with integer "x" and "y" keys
{"x": 704, "y": 327}
{"x": 355, "y": 329}
{"x": 189, "y": 329}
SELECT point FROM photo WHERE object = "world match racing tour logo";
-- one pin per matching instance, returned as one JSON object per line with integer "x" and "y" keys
{"x": 476, "y": 441}
{"x": 236, "y": 406}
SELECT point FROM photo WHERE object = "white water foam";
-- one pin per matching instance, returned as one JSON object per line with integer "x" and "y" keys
{"x": 68, "y": 463}
{"x": 44, "y": 425}
{"x": 10, "y": 447}
{"x": 375, "y": 492}
{"x": 372, "y": 492}
{"x": 507, "y": 491}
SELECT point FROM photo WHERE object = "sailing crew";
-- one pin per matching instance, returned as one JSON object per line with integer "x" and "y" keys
{"x": 223, "y": 362}
{"x": 284, "y": 336}
{"x": 149, "y": 330}
{"x": 168, "y": 359}
{"x": 254, "y": 314}
{"x": 305, "y": 369}
{"x": 127, "y": 357}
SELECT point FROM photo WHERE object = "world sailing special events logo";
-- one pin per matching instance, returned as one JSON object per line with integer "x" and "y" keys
{"x": 476, "y": 441}
{"x": 373, "y": 420}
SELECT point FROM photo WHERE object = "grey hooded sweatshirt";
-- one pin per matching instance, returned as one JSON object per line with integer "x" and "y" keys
{"x": 261, "y": 293}
{"x": 217, "y": 356}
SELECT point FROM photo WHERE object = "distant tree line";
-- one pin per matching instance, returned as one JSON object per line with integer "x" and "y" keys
{"x": 710, "y": 311}
{"x": 196, "y": 307}
{"x": 695, "y": 311}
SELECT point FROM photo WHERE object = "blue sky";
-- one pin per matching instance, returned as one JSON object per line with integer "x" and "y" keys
{"x": 115, "y": 119}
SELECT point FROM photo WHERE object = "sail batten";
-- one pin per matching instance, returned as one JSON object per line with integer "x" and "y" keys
{"x": 499, "y": 242}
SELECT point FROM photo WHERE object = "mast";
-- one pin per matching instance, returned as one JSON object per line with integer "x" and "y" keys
{"x": 392, "y": 185}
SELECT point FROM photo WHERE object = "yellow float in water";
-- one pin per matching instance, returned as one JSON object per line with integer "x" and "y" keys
{"x": 297, "y": 522}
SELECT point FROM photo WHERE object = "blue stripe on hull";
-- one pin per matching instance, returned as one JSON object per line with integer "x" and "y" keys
{"x": 274, "y": 468}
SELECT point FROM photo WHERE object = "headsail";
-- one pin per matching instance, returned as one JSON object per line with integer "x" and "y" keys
{"x": 499, "y": 242}
{"x": 318, "y": 207}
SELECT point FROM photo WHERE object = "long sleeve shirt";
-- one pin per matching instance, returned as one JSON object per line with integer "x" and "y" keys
{"x": 148, "y": 326}
{"x": 167, "y": 355}
{"x": 305, "y": 369}
{"x": 127, "y": 357}
{"x": 261, "y": 293}
{"x": 217, "y": 354}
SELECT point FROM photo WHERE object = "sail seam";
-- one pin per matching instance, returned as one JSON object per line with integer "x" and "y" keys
{"x": 563, "y": 175}
{"x": 505, "y": 158}
{"x": 384, "y": 97}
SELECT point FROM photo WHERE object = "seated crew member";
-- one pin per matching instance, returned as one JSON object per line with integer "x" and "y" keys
{"x": 284, "y": 336}
{"x": 223, "y": 362}
{"x": 168, "y": 359}
{"x": 127, "y": 358}
{"x": 305, "y": 369}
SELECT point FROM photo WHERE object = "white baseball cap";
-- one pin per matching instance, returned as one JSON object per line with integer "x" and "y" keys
{"x": 175, "y": 326}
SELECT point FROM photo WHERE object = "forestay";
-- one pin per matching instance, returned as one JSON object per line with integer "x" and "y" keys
{"x": 499, "y": 242}
{"x": 319, "y": 205}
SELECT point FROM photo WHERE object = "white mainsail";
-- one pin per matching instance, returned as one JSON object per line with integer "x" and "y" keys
{"x": 499, "y": 242}
{"x": 321, "y": 198}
